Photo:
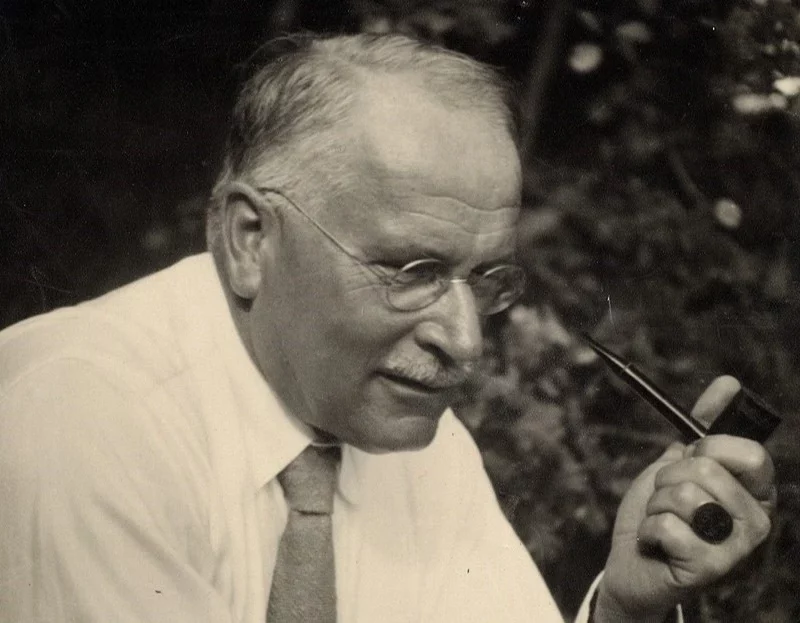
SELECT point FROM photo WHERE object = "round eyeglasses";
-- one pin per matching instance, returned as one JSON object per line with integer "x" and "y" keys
{"x": 422, "y": 282}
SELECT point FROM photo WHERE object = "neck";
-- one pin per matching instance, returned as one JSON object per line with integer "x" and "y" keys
{"x": 274, "y": 367}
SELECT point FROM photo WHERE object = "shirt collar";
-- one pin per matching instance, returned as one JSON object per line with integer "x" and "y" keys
{"x": 272, "y": 436}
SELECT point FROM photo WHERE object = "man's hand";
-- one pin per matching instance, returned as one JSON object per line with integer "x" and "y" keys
{"x": 656, "y": 559}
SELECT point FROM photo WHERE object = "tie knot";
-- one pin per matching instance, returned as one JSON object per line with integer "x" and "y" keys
{"x": 309, "y": 481}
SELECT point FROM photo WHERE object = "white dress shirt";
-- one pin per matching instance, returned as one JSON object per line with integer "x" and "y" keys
{"x": 139, "y": 447}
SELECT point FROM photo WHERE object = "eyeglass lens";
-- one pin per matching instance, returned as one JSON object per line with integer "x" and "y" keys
{"x": 422, "y": 282}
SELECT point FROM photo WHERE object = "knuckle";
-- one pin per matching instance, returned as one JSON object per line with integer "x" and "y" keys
{"x": 761, "y": 527}
{"x": 685, "y": 494}
{"x": 664, "y": 523}
{"x": 755, "y": 459}
{"x": 662, "y": 476}
{"x": 654, "y": 504}
{"x": 705, "y": 467}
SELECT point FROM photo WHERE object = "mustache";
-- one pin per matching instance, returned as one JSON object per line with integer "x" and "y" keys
{"x": 432, "y": 375}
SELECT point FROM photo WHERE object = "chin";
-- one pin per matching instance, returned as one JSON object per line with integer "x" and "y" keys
{"x": 410, "y": 433}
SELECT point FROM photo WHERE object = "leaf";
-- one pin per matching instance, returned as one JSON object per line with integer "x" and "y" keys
{"x": 584, "y": 58}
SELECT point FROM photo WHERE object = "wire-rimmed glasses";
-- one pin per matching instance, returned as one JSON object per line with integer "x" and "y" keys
{"x": 422, "y": 282}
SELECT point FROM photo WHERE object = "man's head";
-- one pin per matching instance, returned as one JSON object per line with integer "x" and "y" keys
{"x": 348, "y": 159}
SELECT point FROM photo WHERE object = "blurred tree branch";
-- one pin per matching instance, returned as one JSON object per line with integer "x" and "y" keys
{"x": 540, "y": 74}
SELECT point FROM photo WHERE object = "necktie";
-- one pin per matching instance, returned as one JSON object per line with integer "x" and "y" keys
{"x": 304, "y": 581}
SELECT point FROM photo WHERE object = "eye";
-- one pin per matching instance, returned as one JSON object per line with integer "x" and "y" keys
{"x": 420, "y": 273}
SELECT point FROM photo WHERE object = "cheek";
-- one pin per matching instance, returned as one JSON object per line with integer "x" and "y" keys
{"x": 337, "y": 313}
{"x": 328, "y": 279}
{"x": 338, "y": 319}
{"x": 343, "y": 304}
{"x": 357, "y": 335}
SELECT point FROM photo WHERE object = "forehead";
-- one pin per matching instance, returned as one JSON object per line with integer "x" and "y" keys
{"x": 446, "y": 180}
{"x": 407, "y": 133}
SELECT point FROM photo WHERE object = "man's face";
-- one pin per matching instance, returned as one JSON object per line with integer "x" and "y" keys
{"x": 427, "y": 183}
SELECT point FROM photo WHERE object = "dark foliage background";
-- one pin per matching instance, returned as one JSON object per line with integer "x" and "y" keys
{"x": 662, "y": 148}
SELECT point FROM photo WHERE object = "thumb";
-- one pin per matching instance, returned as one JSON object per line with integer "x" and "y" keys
{"x": 715, "y": 398}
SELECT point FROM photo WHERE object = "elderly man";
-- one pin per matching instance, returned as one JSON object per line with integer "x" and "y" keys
{"x": 263, "y": 431}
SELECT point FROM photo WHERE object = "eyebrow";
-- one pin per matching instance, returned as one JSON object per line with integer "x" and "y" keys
{"x": 409, "y": 251}
{"x": 406, "y": 248}
{"x": 387, "y": 244}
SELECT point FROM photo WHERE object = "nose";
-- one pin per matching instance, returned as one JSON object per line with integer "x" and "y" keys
{"x": 453, "y": 325}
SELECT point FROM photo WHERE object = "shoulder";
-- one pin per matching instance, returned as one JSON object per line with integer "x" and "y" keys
{"x": 137, "y": 326}
{"x": 74, "y": 418}
{"x": 92, "y": 393}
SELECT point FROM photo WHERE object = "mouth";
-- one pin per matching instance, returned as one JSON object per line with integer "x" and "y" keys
{"x": 421, "y": 386}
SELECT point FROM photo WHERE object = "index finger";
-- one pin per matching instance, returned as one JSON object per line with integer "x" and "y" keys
{"x": 747, "y": 460}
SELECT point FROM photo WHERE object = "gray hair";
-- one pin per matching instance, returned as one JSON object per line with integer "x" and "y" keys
{"x": 287, "y": 112}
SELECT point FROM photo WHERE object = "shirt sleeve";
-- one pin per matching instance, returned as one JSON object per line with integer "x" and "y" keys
{"x": 585, "y": 611}
{"x": 101, "y": 516}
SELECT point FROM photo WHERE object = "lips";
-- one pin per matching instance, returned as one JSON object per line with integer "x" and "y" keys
{"x": 440, "y": 382}
{"x": 412, "y": 384}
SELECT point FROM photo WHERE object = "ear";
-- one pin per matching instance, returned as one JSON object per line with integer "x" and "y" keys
{"x": 248, "y": 231}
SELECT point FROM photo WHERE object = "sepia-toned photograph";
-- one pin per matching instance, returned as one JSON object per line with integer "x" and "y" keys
{"x": 400, "y": 311}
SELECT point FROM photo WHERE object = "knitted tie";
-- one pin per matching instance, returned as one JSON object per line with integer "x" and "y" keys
{"x": 304, "y": 582}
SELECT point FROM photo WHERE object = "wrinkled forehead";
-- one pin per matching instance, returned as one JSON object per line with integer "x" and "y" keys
{"x": 408, "y": 133}
{"x": 402, "y": 136}
{"x": 442, "y": 178}
{"x": 451, "y": 232}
